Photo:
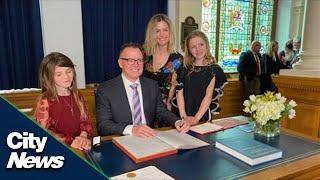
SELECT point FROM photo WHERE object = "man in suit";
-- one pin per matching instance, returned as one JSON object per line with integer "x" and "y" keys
{"x": 249, "y": 69}
{"x": 129, "y": 103}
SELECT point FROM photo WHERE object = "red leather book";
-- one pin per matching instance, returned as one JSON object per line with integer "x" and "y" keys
{"x": 165, "y": 143}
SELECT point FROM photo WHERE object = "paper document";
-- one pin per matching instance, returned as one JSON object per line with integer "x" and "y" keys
{"x": 180, "y": 140}
{"x": 219, "y": 124}
{"x": 143, "y": 147}
{"x": 206, "y": 128}
{"x": 147, "y": 173}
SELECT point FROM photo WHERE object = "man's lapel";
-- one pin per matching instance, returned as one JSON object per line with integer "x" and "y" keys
{"x": 146, "y": 101}
{"x": 123, "y": 98}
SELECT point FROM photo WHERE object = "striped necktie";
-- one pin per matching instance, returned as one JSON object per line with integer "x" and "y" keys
{"x": 137, "y": 119}
{"x": 256, "y": 57}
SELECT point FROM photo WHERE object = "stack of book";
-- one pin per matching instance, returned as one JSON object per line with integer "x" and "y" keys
{"x": 248, "y": 150}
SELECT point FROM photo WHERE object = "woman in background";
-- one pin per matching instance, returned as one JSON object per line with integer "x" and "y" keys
{"x": 200, "y": 80}
{"x": 287, "y": 55}
{"x": 162, "y": 61}
{"x": 270, "y": 65}
{"x": 60, "y": 107}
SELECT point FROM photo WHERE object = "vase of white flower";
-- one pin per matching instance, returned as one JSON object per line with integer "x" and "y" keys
{"x": 267, "y": 110}
{"x": 271, "y": 129}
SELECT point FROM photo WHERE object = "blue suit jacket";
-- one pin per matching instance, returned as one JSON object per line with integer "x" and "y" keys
{"x": 113, "y": 109}
{"x": 247, "y": 66}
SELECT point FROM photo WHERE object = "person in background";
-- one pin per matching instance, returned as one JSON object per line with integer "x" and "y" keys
{"x": 162, "y": 61}
{"x": 270, "y": 65}
{"x": 249, "y": 69}
{"x": 61, "y": 108}
{"x": 297, "y": 45}
{"x": 296, "y": 49}
{"x": 200, "y": 80}
{"x": 286, "y": 56}
{"x": 129, "y": 103}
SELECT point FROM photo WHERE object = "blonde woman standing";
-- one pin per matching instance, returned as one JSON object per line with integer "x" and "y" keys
{"x": 162, "y": 61}
{"x": 270, "y": 64}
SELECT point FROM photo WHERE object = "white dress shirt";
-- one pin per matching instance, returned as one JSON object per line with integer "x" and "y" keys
{"x": 129, "y": 91}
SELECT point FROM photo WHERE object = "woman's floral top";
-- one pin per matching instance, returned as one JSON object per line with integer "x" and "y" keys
{"x": 164, "y": 75}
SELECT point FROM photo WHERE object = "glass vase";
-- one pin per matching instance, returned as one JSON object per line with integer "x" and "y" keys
{"x": 269, "y": 130}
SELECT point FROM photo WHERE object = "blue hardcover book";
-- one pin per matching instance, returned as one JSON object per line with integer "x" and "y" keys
{"x": 248, "y": 150}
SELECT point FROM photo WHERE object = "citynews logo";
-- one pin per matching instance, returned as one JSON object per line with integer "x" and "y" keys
{"x": 16, "y": 140}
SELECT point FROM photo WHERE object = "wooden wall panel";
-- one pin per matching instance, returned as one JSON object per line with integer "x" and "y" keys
{"x": 29, "y": 99}
{"x": 306, "y": 92}
{"x": 232, "y": 100}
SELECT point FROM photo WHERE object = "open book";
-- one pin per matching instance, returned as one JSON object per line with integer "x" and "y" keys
{"x": 146, "y": 173}
{"x": 248, "y": 150}
{"x": 163, "y": 144}
{"x": 219, "y": 124}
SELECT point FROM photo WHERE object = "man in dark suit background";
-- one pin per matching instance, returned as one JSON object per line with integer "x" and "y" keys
{"x": 249, "y": 69}
{"x": 120, "y": 111}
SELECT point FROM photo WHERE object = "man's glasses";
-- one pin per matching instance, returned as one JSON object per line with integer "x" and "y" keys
{"x": 133, "y": 61}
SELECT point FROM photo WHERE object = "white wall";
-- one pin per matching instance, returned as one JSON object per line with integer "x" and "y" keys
{"x": 189, "y": 8}
{"x": 297, "y": 14}
{"x": 283, "y": 20}
{"x": 173, "y": 14}
{"x": 178, "y": 10}
{"x": 289, "y": 20}
{"x": 62, "y": 31}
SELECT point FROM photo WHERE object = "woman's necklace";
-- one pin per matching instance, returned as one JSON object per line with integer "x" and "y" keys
{"x": 70, "y": 105}
{"x": 160, "y": 61}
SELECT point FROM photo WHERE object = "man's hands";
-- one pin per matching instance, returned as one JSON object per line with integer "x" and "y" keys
{"x": 143, "y": 131}
{"x": 146, "y": 131}
{"x": 182, "y": 126}
{"x": 191, "y": 120}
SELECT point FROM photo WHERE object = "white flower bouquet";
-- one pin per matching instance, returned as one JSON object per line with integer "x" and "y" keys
{"x": 269, "y": 107}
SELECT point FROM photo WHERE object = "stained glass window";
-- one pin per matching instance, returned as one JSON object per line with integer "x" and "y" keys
{"x": 264, "y": 23}
{"x": 209, "y": 21}
{"x": 235, "y": 32}
{"x": 235, "y": 21}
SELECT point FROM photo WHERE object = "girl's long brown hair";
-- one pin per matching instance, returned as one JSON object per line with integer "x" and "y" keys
{"x": 48, "y": 88}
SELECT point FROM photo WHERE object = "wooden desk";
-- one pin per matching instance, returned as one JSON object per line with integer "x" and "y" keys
{"x": 306, "y": 168}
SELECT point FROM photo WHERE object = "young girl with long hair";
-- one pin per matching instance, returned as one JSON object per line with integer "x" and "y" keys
{"x": 200, "y": 80}
{"x": 60, "y": 107}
